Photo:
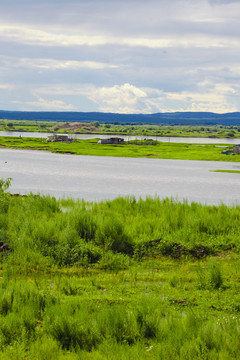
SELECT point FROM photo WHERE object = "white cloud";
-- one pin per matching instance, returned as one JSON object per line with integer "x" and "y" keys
{"x": 31, "y": 36}
{"x": 120, "y": 56}
{"x": 71, "y": 64}
{"x": 54, "y": 105}
{"x": 123, "y": 98}
{"x": 52, "y": 64}
{"x": 6, "y": 86}
{"x": 130, "y": 99}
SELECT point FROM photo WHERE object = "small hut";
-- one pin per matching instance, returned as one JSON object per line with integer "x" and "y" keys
{"x": 59, "y": 137}
{"x": 236, "y": 149}
{"x": 113, "y": 140}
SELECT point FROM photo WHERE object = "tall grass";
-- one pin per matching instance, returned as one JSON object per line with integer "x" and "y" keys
{"x": 38, "y": 227}
{"x": 43, "y": 323}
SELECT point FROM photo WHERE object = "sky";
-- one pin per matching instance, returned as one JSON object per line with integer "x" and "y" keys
{"x": 120, "y": 56}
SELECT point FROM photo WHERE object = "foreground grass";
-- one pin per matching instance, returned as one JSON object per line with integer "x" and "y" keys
{"x": 142, "y": 149}
{"x": 120, "y": 279}
{"x": 159, "y": 308}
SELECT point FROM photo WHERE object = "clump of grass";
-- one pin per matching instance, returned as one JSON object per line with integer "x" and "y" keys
{"x": 119, "y": 324}
{"x": 111, "y": 261}
{"x": 84, "y": 224}
{"x": 210, "y": 276}
{"x": 112, "y": 235}
{"x": 215, "y": 275}
{"x": 73, "y": 327}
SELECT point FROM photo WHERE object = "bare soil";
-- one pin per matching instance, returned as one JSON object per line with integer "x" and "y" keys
{"x": 75, "y": 126}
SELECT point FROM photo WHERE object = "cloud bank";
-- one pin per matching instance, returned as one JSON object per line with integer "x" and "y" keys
{"x": 120, "y": 56}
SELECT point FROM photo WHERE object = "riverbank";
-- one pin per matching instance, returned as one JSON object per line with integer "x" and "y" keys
{"x": 121, "y": 279}
{"x": 183, "y": 151}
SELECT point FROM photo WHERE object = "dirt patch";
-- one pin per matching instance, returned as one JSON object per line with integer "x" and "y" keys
{"x": 75, "y": 126}
{"x": 150, "y": 155}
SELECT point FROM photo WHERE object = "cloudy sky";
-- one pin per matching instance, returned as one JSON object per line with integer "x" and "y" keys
{"x": 125, "y": 56}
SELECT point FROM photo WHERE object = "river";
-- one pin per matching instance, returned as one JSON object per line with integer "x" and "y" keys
{"x": 174, "y": 139}
{"x": 100, "y": 178}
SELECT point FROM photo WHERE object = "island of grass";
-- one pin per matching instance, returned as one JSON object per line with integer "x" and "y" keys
{"x": 227, "y": 171}
{"x": 121, "y": 279}
{"x": 148, "y": 149}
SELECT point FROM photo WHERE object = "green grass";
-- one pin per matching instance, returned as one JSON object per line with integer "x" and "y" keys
{"x": 91, "y": 147}
{"x": 227, "y": 171}
{"x": 121, "y": 279}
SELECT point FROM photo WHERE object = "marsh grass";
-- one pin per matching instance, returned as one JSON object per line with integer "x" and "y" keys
{"x": 121, "y": 279}
{"x": 37, "y": 228}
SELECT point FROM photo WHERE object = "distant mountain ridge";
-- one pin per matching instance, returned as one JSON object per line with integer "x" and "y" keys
{"x": 178, "y": 118}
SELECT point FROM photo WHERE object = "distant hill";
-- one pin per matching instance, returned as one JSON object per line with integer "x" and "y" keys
{"x": 178, "y": 118}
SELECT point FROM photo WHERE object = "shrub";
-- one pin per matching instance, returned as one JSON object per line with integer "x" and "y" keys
{"x": 81, "y": 253}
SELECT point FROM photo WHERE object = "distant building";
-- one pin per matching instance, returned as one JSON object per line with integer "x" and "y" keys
{"x": 57, "y": 137}
{"x": 236, "y": 149}
{"x": 114, "y": 140}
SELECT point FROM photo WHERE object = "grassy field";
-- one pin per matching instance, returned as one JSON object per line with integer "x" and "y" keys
{"x": 216, "y": 131}
{"x": 122, "y": 279}
{"x": 141, "y": 149}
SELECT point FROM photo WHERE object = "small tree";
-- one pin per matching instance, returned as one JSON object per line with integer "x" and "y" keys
{"x": 95, "y": 123}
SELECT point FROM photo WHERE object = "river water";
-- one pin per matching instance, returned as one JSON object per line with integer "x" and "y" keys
{"x": 174, "y": 139}
{"x": 100, "y": 178}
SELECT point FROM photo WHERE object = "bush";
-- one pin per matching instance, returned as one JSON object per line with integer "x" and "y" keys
{"x": 82, "y": 253}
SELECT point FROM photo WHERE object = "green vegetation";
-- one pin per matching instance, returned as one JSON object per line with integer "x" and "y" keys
{"x": 25, "y": 125}
{"x": 95, "y": 127}
{"x": 131, "y": 149}
{"x": 227, "y": 171}
{"x": 122, "y": 279}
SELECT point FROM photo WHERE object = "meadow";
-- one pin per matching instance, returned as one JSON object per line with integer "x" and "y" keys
{"x": 124, "y": 279}
{"x": 148, "y": 149}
